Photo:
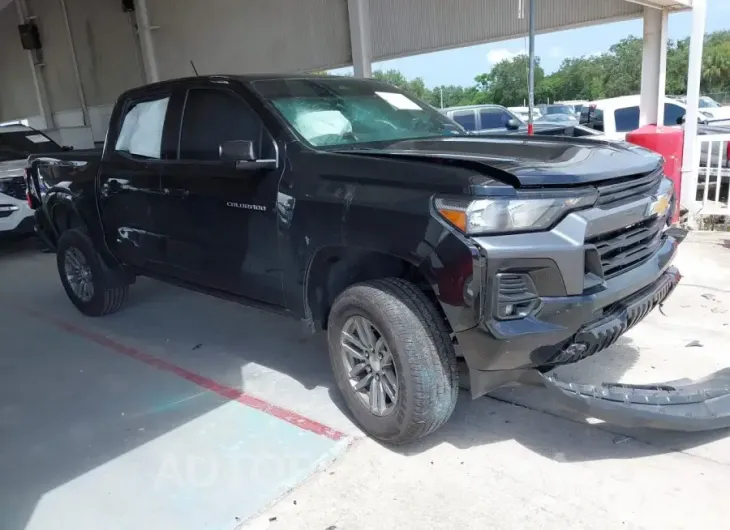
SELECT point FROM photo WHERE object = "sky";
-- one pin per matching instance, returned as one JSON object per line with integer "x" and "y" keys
{"x": 461, "y": 66}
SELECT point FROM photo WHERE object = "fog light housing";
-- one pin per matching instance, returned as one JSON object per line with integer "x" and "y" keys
{"x": 516, "y": 296}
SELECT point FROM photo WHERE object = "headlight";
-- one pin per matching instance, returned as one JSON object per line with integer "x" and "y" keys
{"x": 526, "y": 213}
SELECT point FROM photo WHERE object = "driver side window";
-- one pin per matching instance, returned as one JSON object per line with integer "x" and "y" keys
{"x": 212, "y": 117}
{"x": 493, "y": 118}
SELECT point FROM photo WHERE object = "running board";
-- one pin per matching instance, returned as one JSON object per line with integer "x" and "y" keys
{"x": 682, "y": 405}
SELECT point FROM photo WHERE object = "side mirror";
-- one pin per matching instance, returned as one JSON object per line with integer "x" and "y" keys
{"x": 512, "y": 124}
{"x": 241, "y": 154}
{"x": 680, "y": 120}
{"x": 237, "y": 151}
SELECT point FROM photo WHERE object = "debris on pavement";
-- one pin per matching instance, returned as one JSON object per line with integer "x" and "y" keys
{"x": 694, "y": 344}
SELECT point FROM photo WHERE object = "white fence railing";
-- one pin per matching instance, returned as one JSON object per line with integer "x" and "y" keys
{"x": 711, "y": 176}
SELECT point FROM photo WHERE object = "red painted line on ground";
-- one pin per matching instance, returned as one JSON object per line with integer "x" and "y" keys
{"x": 222, "y": 390}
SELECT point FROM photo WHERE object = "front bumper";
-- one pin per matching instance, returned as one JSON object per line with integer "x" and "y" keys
{"x": 596, "y": 318}
{"x": 15, "y": 216}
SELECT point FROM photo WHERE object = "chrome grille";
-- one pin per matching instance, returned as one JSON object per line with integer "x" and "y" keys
{"x": 627, "y": 189}
{"x": 628, "y": 247}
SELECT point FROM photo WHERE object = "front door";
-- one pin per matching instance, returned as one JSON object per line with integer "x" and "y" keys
{"x": 220, "y": 220}
{"x": 129, "y": 180}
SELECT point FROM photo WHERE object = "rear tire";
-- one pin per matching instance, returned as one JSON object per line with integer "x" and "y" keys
{"x": 94, "y": 289}
{"x": 423, "y": 359}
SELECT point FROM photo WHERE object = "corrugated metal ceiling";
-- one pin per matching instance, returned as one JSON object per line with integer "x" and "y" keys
{"x": 406, "y": 27}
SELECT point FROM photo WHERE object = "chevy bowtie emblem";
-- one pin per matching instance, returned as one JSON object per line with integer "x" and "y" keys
{"x": 659, "y": 205}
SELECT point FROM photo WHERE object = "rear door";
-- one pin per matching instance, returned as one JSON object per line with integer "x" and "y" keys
{"x": 220, "y": 220}
{"x": 129, "y": 178}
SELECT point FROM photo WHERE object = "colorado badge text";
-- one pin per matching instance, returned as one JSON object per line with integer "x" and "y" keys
{"x": 245, "y": 206}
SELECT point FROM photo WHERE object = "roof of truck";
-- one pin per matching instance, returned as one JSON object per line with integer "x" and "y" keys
{"x": 247, "y": 78}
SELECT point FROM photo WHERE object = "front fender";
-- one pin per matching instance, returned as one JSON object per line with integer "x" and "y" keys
{"x": 64, "y": 210}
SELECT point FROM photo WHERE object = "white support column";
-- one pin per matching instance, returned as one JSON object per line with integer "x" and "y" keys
{"x": 39, "y": 82}
{"x": 144, "y": 32}
{"x": 362, "y": 54}
{"x": 653, "y": 67}
{"x": 690, "y": 160}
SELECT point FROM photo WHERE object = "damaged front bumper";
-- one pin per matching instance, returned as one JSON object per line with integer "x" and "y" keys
{"x": 682, "y": 405}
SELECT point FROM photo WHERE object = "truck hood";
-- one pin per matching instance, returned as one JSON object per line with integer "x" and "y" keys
{"x": 13, "y": 168}
{"x": 531, "y": 161}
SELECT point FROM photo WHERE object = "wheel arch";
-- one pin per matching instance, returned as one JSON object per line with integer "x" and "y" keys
{"x": 332, "y": 269}
{"x": 65, "y": 213}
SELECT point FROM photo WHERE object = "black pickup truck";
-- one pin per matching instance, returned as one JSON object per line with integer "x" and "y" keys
{"x": 363, "y": 212}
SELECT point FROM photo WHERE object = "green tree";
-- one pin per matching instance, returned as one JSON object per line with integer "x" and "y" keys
{"x": 454, "y": 96}
{"x": 506, "y": 83}
{"x": 614, "y": 73}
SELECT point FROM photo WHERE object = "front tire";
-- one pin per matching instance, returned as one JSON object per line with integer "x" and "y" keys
{"x": 393, "y": 360}
{"x": 91, "y": 287}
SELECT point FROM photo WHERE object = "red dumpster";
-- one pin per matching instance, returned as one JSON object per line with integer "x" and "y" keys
{"x": 668, "y": 142}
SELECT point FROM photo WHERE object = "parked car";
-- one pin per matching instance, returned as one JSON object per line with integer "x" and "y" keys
{"x": 523, "y": 113}
{"x": 576, "y": 104}
{"x": 366, "y": 213}
{"x": 615, "y": 117}
{"x": 559, "y": 119}
{"x": 556, "y": 108}
{"x": 709, "y": 108}
{"x": 496, "y": 119}
{"x": 476, "y": 118}
{"x": 17, "y": 142}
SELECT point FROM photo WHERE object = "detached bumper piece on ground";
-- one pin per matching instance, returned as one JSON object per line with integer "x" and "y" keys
{"x": 682, "y": 405}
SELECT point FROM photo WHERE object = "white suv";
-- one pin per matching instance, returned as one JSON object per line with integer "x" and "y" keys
{"x": 17, "y": 142}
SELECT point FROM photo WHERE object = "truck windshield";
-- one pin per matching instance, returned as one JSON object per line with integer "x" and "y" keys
{"x": 331, "y": 112}
{"x": 17, "y": 144}
{"x": 707, "y": 102}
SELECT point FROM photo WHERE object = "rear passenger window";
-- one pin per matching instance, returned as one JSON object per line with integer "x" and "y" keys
{"x": 627, "y": 119}
{"x": 213, "y": 117}
{"x": 141, "y": 132}
{"x": 466, "y": 118}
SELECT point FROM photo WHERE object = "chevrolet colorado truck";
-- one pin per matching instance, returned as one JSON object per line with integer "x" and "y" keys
{"x": 369, "y": 215}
